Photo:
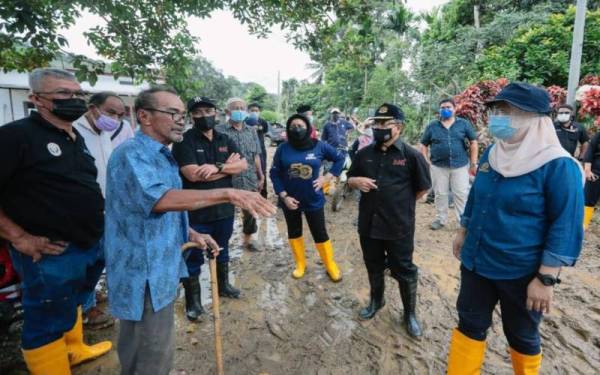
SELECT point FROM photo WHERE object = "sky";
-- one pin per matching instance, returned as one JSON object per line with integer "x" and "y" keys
{"x": 228, "y": 45}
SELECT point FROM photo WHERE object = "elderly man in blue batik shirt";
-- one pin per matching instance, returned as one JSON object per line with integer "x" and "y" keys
{"x": 146, "y": 225}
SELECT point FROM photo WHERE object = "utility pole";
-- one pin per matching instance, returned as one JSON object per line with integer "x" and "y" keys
{"x": 477, "y": 26}
{"x": 576, "y": 50}
{"x": 279, "y": 93}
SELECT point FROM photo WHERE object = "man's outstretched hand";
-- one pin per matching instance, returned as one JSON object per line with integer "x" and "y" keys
{"x": 252, "y": 202}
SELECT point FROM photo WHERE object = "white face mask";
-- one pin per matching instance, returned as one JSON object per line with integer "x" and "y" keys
{"x": 563, "y": 117}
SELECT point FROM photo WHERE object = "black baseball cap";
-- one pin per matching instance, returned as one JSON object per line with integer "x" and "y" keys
{"x": 200, "y": 101}
{"x": 388, "y": 112}
{"x": 524, "y": 96}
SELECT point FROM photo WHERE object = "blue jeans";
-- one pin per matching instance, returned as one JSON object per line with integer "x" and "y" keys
{"x": 53, "y": 288}
{"x": 477, "y": 299}
{"x": 220, "y": 231}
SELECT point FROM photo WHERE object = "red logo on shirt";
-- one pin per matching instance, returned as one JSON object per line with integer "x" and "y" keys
{"x": 401, "y": 162}
{"x": 223, "y": 149}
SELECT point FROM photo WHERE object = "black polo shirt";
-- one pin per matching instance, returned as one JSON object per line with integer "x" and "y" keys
{"x": 388, "y": 213}
{"x": 261, "y": 129}
{"x": 570, "y": 136}
{"x": 48, "y": 182}
{"x": 196, "y": 149}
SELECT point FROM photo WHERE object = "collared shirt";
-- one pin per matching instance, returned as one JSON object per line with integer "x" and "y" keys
{"x": 515, "y": 224}
{"x": 570, "y": 136}
{"x": 142, "y": 247}
{"x": 336, "y": 133}
{"x": 48, "y": 182}
{"x": 400, "y": 172}
{"x": 248, "y": 145}
{"x": 295, "y": 171}
{"x": 196, "y": 149}
{"x": 448, "y": 145}
{"x": 99, "y": 145}
{"x": 261, "y": 129}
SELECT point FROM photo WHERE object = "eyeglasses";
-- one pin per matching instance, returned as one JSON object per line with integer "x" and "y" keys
{"x": 175, "y": 116}
{"x": 564, "y": 113}
{"x": 65, "y": 94}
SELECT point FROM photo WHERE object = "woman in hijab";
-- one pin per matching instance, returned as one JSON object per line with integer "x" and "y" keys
{"x": 295, "y": 174}
{"x": 522, "y": 223}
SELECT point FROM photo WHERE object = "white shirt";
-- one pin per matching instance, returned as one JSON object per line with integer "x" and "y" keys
{"x": 125, "y": 133}
{"x": 99, "y": 145}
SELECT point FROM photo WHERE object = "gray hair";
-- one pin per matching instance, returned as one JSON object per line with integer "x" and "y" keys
{"x": 37, "y": 77}
{"x": 235, "y": 100}
{"x": 146, "y": 98}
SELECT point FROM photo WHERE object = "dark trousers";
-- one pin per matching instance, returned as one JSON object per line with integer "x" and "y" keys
{"x": 148, "y": 346}
{"x": 220, "y": 231}
{"x": 248, "y": 223}
{"x": 315, "y": 220}
{"x": 399, "y": 255}
{"x": 52, "y": 289}
{"x": 477, "y": 299}
{"x": 592, "y": 192}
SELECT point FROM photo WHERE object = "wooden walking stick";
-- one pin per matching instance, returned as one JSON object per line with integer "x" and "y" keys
{"x": 212, "y": 262}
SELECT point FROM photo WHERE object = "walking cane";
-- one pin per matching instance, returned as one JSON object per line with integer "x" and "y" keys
{"x": 215, "y": 304}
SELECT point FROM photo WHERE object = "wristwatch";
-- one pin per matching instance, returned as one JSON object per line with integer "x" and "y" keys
{"x": 219, "y": 166}
{"x": 548, "y": 280}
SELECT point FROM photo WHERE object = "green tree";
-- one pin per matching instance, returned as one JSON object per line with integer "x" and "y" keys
{"x": 541, "y": 54}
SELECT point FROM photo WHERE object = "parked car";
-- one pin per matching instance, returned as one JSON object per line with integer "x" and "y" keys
{"x": 275, "y": 135}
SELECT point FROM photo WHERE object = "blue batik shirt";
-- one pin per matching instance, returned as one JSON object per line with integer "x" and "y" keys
{"x": 516, "y": 224}
{"x": 142, "y": 248}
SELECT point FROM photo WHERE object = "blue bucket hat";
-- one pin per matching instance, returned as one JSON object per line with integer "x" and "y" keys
{"x": 524, "y": 96}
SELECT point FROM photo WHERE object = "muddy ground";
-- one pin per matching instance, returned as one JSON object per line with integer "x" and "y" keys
{"x": 310, "y": 326}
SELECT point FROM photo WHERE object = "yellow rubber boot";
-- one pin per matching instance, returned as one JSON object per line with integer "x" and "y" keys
{"x": 524, "y": 364}
{"x": 50, "y": 359}
{"x": 326, "y": 252}
{"x": 297, "y": 245}
{"x": 588, "y": 213}
{"x": 78, "y": 351}
{"x": 465, "y": 356}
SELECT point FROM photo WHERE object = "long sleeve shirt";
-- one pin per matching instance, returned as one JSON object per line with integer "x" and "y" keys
{"x": 516, "y": 224}
{"x": 294, "y": 172}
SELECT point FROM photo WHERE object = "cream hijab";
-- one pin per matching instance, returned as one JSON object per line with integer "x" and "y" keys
{"x": 534, "y": 144}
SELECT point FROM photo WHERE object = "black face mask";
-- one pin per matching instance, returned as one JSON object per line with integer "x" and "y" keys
{"x": 382, "y": 135}
{"x": 297, "y": 134}
{"x": 204, "y": 123}
{"x": 68, "y": 109}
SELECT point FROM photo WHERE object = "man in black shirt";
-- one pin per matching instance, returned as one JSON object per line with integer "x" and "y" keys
{"x": 52, "y": 213}
{"x": 207, "y": 160}
{"x": 392, "y": 176}
{"x": 262, "y": 128}
{"x": 569, "y": 132}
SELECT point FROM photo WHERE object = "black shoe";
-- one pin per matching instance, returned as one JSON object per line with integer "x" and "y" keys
{"x": 193, "y": 300}
{"x": 377, "y": 300}
{"x": 408, "y": 292}
{"x": 225, "y": 289}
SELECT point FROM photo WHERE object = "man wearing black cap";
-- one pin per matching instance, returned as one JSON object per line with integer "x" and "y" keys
{"x": 262, "y": 128}
{"x": 392, "y": 176}
{"x": 207, "y": 160}
{"x": 570, "y": 134}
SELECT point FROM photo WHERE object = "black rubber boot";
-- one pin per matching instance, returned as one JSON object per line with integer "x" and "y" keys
{"x": 193, "y": 300}
{"x": 226, "y": 289}
{"x": 377, "y": 301}
{"x": 408, "y": 292}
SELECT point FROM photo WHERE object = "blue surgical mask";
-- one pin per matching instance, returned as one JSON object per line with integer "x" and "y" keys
{"x": 446, "y": 113}
{"x": 311, "y": 119}
{"x": 238, "y": 116}
{"x": 254, "y": 115}
{"x": 500, "y": 127}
